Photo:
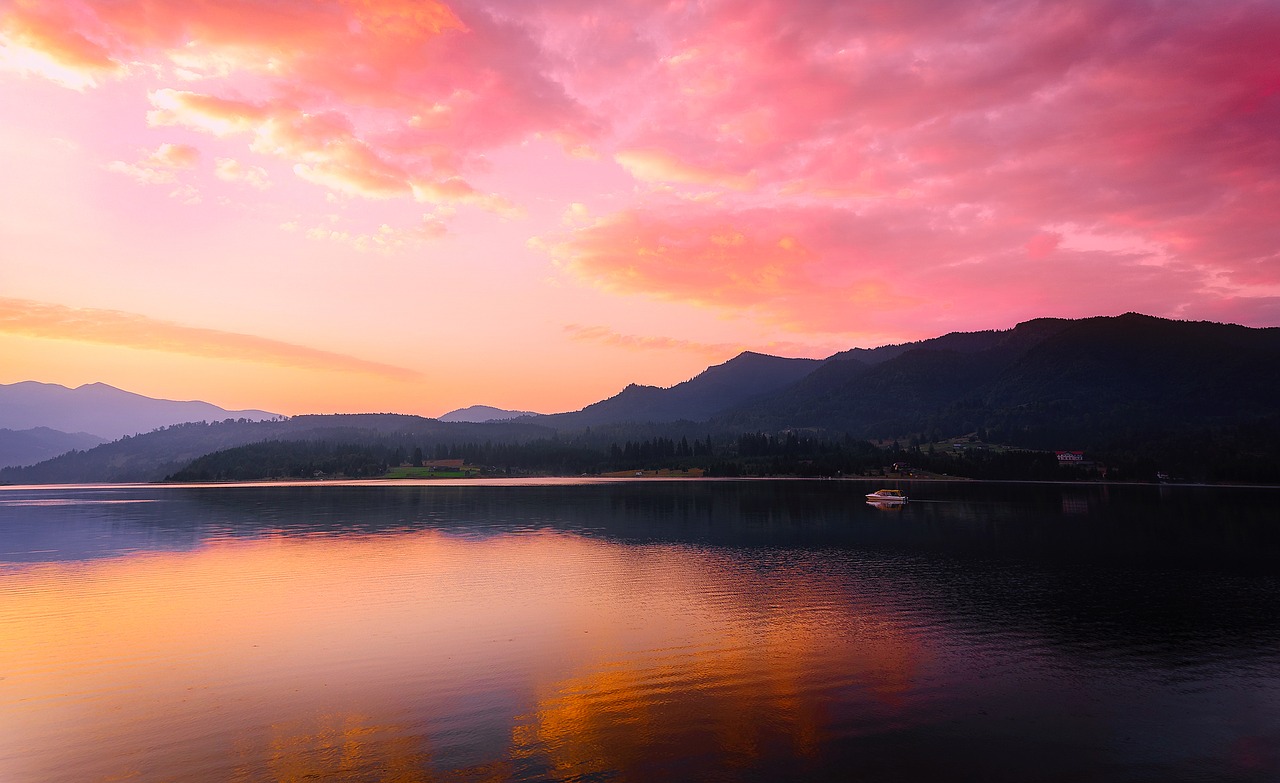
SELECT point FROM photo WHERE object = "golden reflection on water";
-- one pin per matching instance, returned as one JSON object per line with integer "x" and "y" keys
{"x": 420, "y": 656}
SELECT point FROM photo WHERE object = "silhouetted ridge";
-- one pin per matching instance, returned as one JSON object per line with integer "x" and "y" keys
{"x": 1044, "y": 383}
{"x": 744, "y": 377}
{"x": 1137, "y": 390}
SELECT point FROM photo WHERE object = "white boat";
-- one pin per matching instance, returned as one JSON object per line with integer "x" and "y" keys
{"x": 886, "y": 497}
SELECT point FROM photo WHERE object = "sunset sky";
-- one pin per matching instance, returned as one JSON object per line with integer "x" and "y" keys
{"x": 308, "y": 206}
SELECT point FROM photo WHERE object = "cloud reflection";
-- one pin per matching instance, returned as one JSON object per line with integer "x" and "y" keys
{"x": 507, "y": 657}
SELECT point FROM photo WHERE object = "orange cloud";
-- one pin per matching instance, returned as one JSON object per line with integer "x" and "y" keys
{"x": 455, "y": 190}
{"x": 231, "y": 170}
{"x": 158, "y": 168}
{"x": 327, "y": 150}
{"x": 659, "y": 166}
{"x": 40, "y": 43}
{"x": 744, "y": 262}
{"x": 892, "y": 271}
{"x": 130, "y": 330}
{"x": 325, "y": 147}
{"x": 174, "y": 156}
{"x": 702, "y": 258}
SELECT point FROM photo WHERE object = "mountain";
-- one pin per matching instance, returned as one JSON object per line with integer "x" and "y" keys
{"x": 478, "y": 414}
{"x": 159, "y": 453}
{"x": 743, "y": 378}
{"x": 102, "y": 410}
{"x": 1024, "y": 334}
{"x": 27, "y": 447}
{"x": 1045, "y": 383}
{"x": 1197, "y": 398}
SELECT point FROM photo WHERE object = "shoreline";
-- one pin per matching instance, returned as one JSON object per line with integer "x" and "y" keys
{"x": 600, "y": 479}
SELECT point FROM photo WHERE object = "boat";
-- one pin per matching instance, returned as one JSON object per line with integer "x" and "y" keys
{"x": 886, "y": 497}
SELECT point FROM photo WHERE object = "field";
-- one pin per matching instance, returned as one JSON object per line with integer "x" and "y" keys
{"x": 687, "y": 473}
{"x": 429, "y": 473}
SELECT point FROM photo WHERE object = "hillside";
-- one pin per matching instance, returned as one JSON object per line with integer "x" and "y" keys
{"x": 1025, "y": 334}
{"x": 1197, "y": 398}
{"x": 154, "y": 455}
{"x": 743, "y": 378}
{"x": 27, "y": 447}
{"x": 1045, "y": 384}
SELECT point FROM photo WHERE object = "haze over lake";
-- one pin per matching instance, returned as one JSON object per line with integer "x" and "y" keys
{"x": 590, "y": 630}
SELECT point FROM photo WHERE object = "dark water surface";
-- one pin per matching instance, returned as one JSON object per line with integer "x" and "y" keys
{"x": 753, "y": 630}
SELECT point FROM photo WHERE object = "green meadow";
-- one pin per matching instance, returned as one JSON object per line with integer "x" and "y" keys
{"x": 429, "y": 473}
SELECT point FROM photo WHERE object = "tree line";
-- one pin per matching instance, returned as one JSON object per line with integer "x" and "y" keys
{"x": 749, "y": 454}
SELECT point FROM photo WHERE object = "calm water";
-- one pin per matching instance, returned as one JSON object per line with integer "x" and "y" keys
{"x": 639, "y": 631}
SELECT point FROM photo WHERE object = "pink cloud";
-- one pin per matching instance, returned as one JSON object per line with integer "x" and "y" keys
{"x": 822, "y": 269}
{"x": 746, "y": 261}
{"x": 908, "y": 145}
{"x": 419, "y": 92}
{"x": 1042, "y": 245}
{"x": 832, "y": 167}
{"x": 54, "y": 48}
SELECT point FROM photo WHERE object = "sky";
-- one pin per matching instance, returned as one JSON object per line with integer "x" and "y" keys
{"x": 311, "y": 206}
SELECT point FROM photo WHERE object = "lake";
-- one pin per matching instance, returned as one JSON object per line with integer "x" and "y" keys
{"x": 639, "y": 630}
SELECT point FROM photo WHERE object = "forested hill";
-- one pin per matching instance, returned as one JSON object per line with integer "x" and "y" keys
{"x": 1131, "y": 388}
{"x": 743, "y": 378}
{"x": 1045, "y": 384}
{"x": 154, "y": 455}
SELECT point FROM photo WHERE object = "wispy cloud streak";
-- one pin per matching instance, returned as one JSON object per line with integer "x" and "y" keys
{"x": 46, "y": 320}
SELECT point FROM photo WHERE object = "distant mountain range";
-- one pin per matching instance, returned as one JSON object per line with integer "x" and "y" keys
{"x": 42, "y": 420}
{"x": 101, "y": 410}
{"x": 1130, "y": 384}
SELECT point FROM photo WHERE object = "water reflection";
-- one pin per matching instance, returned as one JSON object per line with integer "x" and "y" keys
{"x": 1058, "y": 522}
{"x": 544, "y": 650}
{"x": 696, "y": 631}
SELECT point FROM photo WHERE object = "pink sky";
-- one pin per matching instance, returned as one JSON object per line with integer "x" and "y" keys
{"x": 404, "y": 206}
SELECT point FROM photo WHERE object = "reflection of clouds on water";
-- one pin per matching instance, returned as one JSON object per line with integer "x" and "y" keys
{"x": 621, "y": 632}
{"x": 335, "y": 746}
{"x": 336, "y": 656}
{"x": 755, "y": 678}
